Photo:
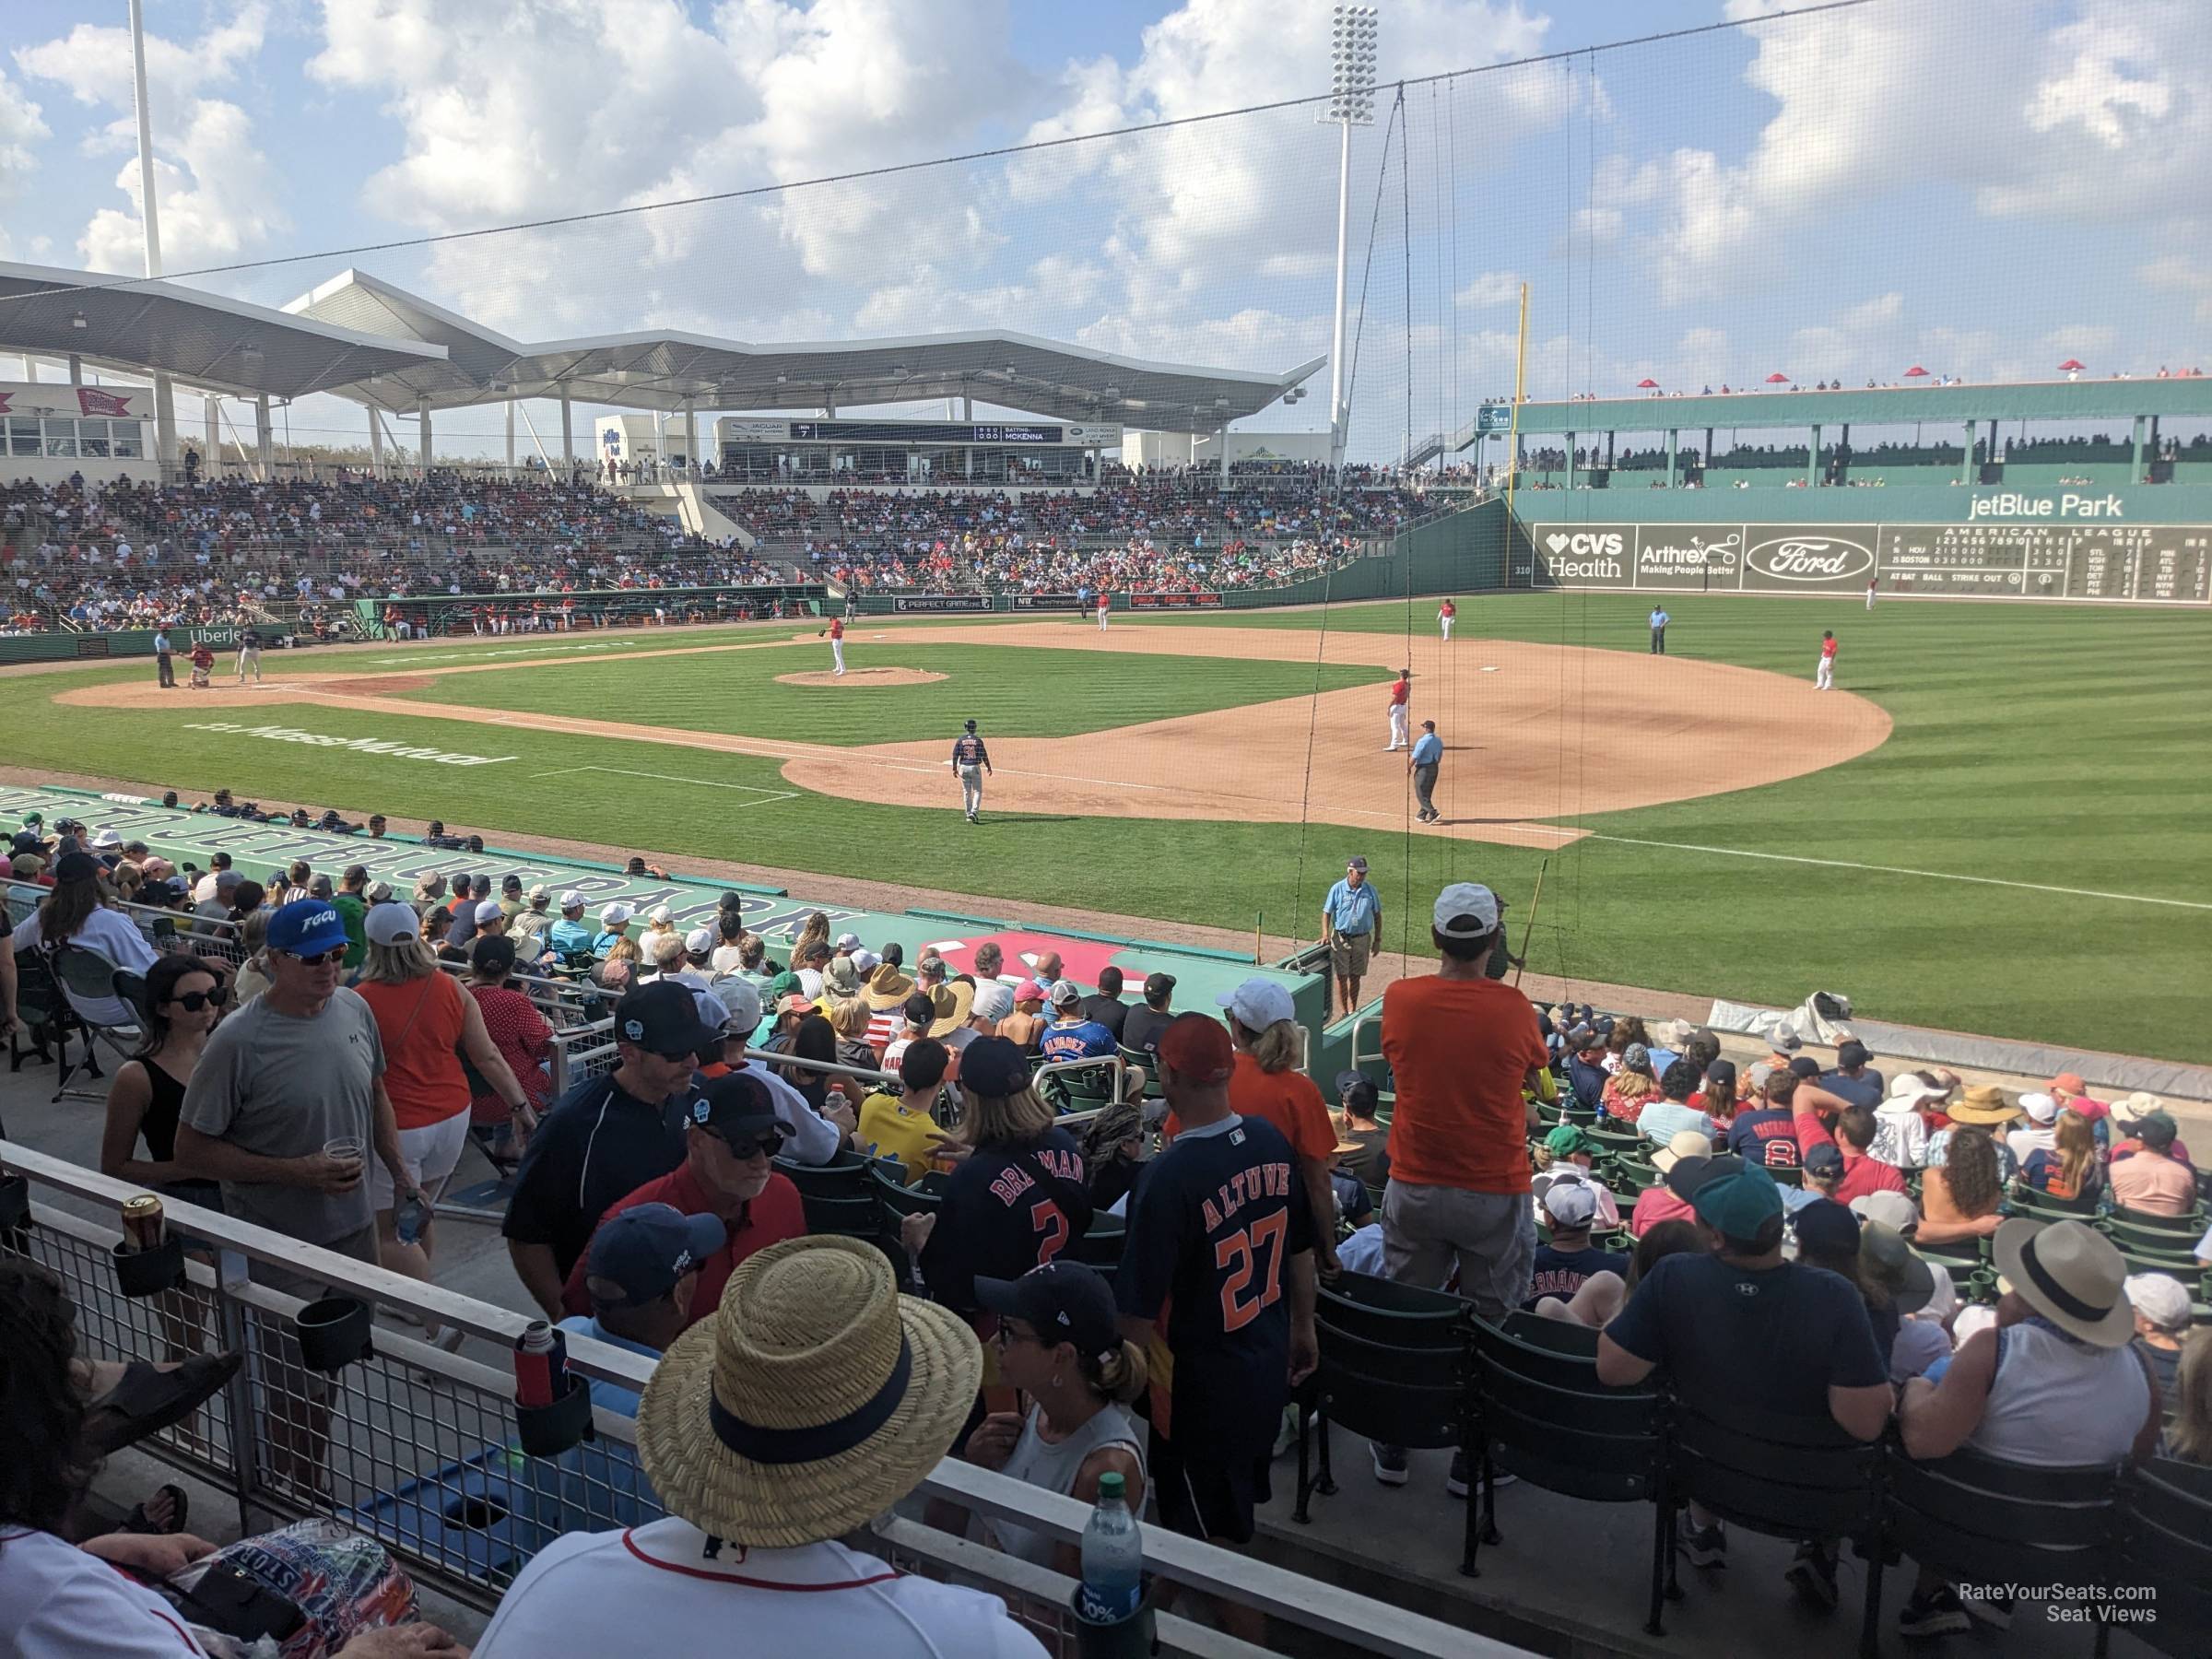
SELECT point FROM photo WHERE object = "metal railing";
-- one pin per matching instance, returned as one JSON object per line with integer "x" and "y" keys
{"x": 420, "y": 1449}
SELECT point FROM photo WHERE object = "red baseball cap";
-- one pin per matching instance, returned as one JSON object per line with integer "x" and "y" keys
{"x": 1198, "y": 1047}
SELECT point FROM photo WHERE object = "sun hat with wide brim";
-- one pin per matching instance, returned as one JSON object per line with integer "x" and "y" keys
{"x": 955, "y": 1004}
{"x": 1986, "y": 1105}
{"x": 2069, "y": 1273}
{"x": 887, "y": 988}
{"x": 813, "y": 1399}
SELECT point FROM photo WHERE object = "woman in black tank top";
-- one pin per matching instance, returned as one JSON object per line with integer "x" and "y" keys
{"x": 183, "y": 1000}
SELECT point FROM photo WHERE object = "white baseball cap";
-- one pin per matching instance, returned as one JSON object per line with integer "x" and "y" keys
{"x": 866, "y": 961}
{"x": 698, "y": 941}
{"x": 993, "y": 1001}
{"x": 1258, "y": 1004}
{"x": 1064, "y": 991}
{"x": 848, "y": 941}
{"x": 661, "y": 913}
{"x": 1891, "y": 1210}
{"x": 2041, "y": 1107}
{"x": 108, "y": 838}
{"x": 810, "y": 983}
{"x": 488, "y": 911}
{"x": 1466, "y": 911}
{"x": 740, "y": 1000}
{"x": 1569, "y": 1204}
{"x": 2162, "y": 1300}
{"x": 571, "y": 899}
{"x": 615, "y": 916}
{"x": 539, "y": 891}
{"x": 389, "y": 924}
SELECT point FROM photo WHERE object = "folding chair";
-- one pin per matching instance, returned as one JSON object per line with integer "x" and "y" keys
{"x": 96, "y": 992}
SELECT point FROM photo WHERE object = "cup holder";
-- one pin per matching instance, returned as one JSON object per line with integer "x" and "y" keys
{"x": 15, "y": 1203}
{"x": 333, "y": 1333}
{"x": 549, "y": 1430}
{"x": 150, "y": 1272}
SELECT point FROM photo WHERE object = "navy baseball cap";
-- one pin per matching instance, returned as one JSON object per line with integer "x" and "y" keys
{"x": 1826, "y": 1225}
{"x": 660, "y": 1019}
{"x": 1065, "y": 1300}
{"x": 993, "y": 1068}
{"x": 637, "y": 1255}
{"x": 735, "y": 1104}
{"x": 1824, "y": 1159}
{"x": 307, "y": 927}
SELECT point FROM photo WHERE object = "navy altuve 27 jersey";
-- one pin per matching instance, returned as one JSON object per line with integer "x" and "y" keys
{"x": 1213, "y": 1225}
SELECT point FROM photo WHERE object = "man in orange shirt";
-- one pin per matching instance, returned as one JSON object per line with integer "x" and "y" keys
{"x": 1461, "y": 1046}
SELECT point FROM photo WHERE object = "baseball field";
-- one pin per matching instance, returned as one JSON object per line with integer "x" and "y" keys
{"x": 2000, "y": 821}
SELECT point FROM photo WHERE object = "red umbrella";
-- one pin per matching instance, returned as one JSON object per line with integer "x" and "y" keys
{"x": 2070, "y": 365}
{"x": 1778, "y": 379}
{"x": 1916, "y": 373}
{"x": 1647, "y": 384}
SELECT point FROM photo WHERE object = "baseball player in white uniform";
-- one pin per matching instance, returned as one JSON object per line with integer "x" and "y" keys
{"x": 1401, "y": 709}
{"x": 1446, "y": 614}
{"x": 836, "y": 642}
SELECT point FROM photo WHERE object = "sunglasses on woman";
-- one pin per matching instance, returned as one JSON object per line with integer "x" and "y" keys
{"x": 191, "y": 1002}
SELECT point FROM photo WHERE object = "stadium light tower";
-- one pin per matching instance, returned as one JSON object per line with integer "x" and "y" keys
{"x": 149, "y": 215}
{"x": 1352, "y": 36}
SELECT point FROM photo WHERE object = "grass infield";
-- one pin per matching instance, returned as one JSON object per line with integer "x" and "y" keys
{"x": 2059, "y": 755}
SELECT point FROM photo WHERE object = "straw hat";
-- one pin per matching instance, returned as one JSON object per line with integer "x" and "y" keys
{"x": 887, "y": 988}
{"x": 1986, "y": 1104}
{"x": 813, "y": 1399}
{"x": 2069, "y": 1273}
{"x": 955, "y": 1004}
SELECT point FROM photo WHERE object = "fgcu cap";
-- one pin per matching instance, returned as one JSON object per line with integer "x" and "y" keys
{"x": 307, "y": 927}
{"x": 639, "y": 1255}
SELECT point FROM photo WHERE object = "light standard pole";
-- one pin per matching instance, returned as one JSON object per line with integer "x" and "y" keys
{"x": 1351, "y": 103}
{"x": 149, "y": 217}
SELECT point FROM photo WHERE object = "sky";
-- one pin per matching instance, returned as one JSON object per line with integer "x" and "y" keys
{"x": 1984, "y": 187}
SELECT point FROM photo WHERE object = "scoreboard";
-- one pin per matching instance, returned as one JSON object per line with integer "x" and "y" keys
{"x": 2168, "y": 563}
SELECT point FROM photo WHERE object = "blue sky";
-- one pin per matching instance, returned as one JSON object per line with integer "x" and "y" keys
{"x": 1985, "y": 186}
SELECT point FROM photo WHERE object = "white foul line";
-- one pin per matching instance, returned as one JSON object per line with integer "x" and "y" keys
{"x": 1844, "y": 863}
{"x": 773, "y": 795}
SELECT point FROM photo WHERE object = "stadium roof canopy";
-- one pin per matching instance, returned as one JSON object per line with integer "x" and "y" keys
{"x": 137, "y": 327}
{"x": 656, "y": 368}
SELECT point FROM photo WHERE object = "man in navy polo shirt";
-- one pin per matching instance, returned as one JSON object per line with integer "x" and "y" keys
{"x": 605, "y": 1138}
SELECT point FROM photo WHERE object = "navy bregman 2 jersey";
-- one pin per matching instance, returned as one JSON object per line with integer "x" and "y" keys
{"x": 1007, "y": 1209}
{"x": 969, "y": 750}
{"x": 1213, "y": 1225}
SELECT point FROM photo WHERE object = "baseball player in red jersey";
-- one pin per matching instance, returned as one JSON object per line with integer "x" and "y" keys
{"x": 1824, "y": 676}
{"x": 1446, "y": 614}
{"x": 1105, "y": 605}
{"x": 1401, "y": 709}
{"x": 837, "y": 642}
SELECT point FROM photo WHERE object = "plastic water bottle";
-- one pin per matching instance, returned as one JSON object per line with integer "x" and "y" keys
{"x": 410, "y": 1219}
{"x": 1113, "y": 1558}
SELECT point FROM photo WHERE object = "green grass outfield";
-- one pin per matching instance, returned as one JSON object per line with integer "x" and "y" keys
{"x": 2059, "y": 755}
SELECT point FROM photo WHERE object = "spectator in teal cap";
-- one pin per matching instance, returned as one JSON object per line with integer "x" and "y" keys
{"x": 1738, "y": 1327}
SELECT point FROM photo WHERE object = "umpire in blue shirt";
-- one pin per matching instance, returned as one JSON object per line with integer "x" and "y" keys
{"x": 1428, "y": 752}
{"x": 1351, "y": 920}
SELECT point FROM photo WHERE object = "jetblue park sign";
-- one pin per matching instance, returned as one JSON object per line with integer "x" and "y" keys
{"x": 2015, "y": 504}
{"x": 2094, "y": 560}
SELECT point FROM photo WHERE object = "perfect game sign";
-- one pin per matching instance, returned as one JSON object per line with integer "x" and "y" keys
{"x": 2158, "y": 563}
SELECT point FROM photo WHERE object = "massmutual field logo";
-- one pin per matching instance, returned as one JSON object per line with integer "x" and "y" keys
{"x": 1810, "y": 558}
{"x": 365, "y": 745}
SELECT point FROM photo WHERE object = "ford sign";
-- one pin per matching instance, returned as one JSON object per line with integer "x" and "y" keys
{"x": 1811, "y": 557}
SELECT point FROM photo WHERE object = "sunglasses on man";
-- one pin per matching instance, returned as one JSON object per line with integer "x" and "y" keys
{"x": 322, "y": 959}
{"x": 766, "y": 1144}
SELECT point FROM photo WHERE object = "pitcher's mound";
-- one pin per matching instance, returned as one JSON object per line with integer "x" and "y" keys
{"x": 862, "y": 677}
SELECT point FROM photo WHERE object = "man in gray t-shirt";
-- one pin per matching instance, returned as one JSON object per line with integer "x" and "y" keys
{"x": 299, "y": 1067}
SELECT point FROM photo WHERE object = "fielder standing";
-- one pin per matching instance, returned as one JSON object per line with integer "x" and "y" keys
{"x": 1873, "y": 587}
{"x": 1401, "y": 708}
{"x": 1428, "y": 754}
{"x": 1105, "y": 608}
{"x": 1446, "y": 614}
{"x": 970, "y": 761}
{"x": 1824, "y": 676}
{"x": 836, "y": 642}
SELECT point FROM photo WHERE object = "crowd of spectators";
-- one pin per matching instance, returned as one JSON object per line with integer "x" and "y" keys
{"x": 232, "y": 551}
{"x": 1159, "y": 529}
{"x": 1776, "y": 1231}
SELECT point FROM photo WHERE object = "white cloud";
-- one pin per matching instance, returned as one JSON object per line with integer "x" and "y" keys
{"x": 2173, "y": 273}
{"x": 2081, "y": 340}
{"x": 1492, "y": 287}
{"x": 218, "y": 194}
{"x": 21, "y": 127}
{"x": 2102, "y": 117}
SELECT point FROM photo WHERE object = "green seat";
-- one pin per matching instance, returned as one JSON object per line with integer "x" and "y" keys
{"x": 2040, "y": 1206}
{"x": 926, "y": 1197}
{"x": 2151, "y": 1241}
{"x": 2193, "y": 1223}
{"x": 1136, "y": 1057}
{"x": 1085, "y": 1090}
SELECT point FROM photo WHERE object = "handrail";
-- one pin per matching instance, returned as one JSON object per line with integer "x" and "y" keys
{"x": 1355, "y": 1622}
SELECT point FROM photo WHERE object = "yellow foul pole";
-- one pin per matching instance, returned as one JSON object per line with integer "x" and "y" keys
{"x": 1513, "y": 441}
